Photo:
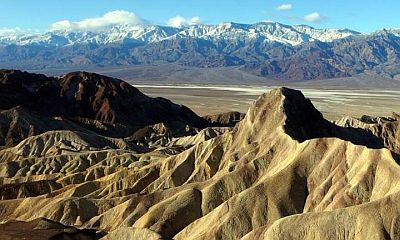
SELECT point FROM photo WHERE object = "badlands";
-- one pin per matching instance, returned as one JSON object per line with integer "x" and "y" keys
{"x": 85, "y": 156}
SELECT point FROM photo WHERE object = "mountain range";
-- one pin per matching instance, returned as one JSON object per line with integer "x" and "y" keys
{"x": 267, "y": 49}
{"x": 267, "y": 31}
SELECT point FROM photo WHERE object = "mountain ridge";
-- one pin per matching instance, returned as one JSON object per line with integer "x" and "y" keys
{"x": 272, "y": 31}
{"x": 267, "y": 50}
{"x": 80, "y": 100}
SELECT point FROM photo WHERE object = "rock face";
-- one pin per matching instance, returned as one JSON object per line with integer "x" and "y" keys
{"x": 105, "y": 105}
{"x": 44, "y": 229}
{"x": 19, "y": 123}
{"x": 228, "y": 119}
{"x": 386, "y": 129}
{"x": 283, "y": 172}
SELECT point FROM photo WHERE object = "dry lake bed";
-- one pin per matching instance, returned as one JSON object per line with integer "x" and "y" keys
{"x": 333, "y": 103}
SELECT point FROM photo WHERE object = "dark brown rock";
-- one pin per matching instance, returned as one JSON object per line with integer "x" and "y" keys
{"x": 92, "y": 100}
{"x": 228, "y": 119}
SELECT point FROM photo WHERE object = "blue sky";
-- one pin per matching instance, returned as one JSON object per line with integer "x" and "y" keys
{"x": 360, "y": 15}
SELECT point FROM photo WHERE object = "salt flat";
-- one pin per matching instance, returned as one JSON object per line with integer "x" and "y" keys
{"x": 333, "y": 103}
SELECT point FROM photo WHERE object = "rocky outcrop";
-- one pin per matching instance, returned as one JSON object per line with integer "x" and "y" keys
{"x": 386, "y": 129}
{"x": 86, "y": 98}
{"x": 45, "y": 229}
{"x": 162, "y": 133}
{"x": 19, "y": 123}
{"x": 27, "y": 189}
{"x": 228, "y": 119}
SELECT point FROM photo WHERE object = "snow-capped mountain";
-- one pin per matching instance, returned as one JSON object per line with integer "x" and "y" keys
{"x": 267, "y": 49}
{"x": 264, "y": 31}
{"x": 113, "y": 34}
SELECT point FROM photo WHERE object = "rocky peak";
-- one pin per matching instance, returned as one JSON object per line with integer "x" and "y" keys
{"x": 287, "y": 109}
{"x": 83, "y": 95}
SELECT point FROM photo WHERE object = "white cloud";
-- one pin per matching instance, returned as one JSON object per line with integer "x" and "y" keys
{"x": 284, "y": 7}
{"x": 108, "y": 19}
{"x": 8, "y": 31}
{"x": 314, "y": 17}
{"x": 17, "y": 31}
{"x": 180, "y": 21}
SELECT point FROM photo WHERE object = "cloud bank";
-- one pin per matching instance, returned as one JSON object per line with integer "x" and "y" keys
{"x": 108, "y": 19}
{"x": 180, "y": 21}
{"x": 284, "y": 7}
{"x": 314, "y": 17}
{"x": 17, "y": 31}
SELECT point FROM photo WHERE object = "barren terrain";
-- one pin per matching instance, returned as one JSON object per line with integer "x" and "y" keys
{"x": 333, "y": 103}
{"x": 86, "y": 157}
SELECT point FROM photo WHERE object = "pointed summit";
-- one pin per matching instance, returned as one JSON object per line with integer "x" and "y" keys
{"x": 287, "y": 109}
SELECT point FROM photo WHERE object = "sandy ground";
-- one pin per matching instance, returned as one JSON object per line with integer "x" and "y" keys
{"x": 208, "y": 99}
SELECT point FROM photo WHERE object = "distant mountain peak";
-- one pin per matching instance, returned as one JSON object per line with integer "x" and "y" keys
{"x": 272, "y": 31}
{"x": 267, "y": 49}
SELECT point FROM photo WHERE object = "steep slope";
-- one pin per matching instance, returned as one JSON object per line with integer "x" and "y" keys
{"x": 379, "y": 52}
{"x": 105, "y": 105}
{"x": 18, "y": 123}
{"x": 114, "y": 101}
{"x": 387, "y": 129}
{"x": 44, "y": 229}
{"x": 284, "y": 172}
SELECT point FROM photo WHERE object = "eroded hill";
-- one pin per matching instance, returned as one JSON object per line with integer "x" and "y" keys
{"x": 283, "y": 172}
{"x": 80, "y": 101}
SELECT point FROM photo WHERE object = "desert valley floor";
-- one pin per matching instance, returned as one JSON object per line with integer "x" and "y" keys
{"x": 333, "y": 103}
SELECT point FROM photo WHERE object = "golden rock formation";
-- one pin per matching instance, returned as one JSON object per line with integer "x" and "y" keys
{"x": 283, "y": 172}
